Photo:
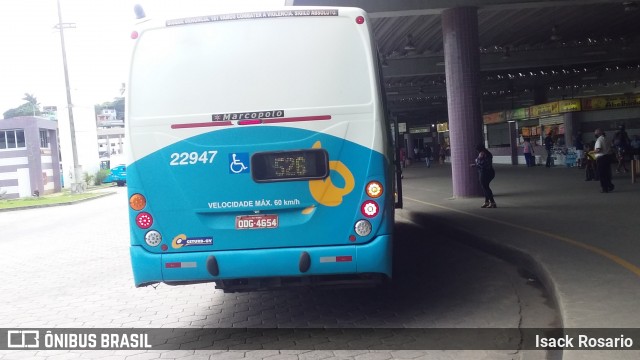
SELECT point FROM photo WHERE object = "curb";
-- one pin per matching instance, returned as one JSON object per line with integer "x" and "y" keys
{"x": 510, "y": 254}
{"x": 59, "y": 204}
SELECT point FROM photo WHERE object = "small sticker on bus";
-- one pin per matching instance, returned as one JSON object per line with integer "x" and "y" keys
{"x": 182, "y": 240}
{"x": 180, "y": 265}
{"x": 331, "y": 259}
{"x": 238, "y": 163}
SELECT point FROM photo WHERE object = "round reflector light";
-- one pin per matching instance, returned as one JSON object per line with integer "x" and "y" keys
{"x": 369, "y": 208}
{"x": 144, "y": 220}
{"x": 153, "y": 238}
{"x": 374, "y": 189}
{"x": 137, "y": 202}
{"x": 360, "y": 20}
{"x": 362, "y": 227}
{"x": 134, "y": 35}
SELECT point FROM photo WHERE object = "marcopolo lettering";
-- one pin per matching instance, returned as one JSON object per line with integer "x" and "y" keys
{"x": 268, "y": 114}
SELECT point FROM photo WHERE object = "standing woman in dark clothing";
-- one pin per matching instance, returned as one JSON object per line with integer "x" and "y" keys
{"x": 548, "y": 145}
{"x": 484, "y": 164}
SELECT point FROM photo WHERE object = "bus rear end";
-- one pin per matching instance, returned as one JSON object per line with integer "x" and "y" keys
{"x": 259, "y": 152}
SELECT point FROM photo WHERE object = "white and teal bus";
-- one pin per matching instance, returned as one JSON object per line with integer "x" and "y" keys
{"x": 259, "y": 150}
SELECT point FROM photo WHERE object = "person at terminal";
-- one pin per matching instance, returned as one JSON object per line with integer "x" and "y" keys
{"x": 486, "y": 173}
{"x": 527, "y": 150}
{"x": 443, "y": 152}
{"x": 602, "y": 150}
{"x": 589, "y": 164}
{"x": 579, "y": 149}
{"x": 621, "y": 144}
{"x": 548, "y": 145}
{"x": 428, "y": 155}
{"x": 635, "y": 145}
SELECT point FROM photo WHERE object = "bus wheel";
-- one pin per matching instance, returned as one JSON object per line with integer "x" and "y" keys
{"x": 120, "y": 183}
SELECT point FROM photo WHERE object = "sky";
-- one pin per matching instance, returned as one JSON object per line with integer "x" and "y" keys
{"x": 98, "y": 48}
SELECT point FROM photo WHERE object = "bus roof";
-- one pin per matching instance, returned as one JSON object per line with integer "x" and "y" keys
{"x": 194, "y": 15}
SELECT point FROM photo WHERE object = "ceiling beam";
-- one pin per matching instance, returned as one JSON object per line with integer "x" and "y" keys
{"x": 386, "y": 8}
{"x": 434, "y": 65}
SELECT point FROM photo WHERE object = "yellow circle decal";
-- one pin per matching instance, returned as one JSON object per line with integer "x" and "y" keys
{"x": 178, "y": 241}
{"x": 324, "y": 192}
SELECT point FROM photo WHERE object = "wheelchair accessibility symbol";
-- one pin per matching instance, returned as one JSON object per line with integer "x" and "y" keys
{"x": 238, "y": 163}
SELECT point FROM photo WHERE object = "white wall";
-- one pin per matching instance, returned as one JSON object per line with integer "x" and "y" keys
{"x": 86, "y": 137}
{"x": 24, "y": 182}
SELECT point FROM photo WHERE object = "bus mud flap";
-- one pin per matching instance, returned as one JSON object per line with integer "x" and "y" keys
{"x": 305, "y": 262}
{"x": 212, "y": 266}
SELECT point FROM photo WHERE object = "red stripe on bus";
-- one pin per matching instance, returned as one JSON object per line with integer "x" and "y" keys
{"x": 292, "y": 119}
{"x": 196, "y": 125}
{"x": 264, "y": 121}
{"x": 344, "y": 258}
{"x": 250, "y": 122}
{"x": 172, "y": 265}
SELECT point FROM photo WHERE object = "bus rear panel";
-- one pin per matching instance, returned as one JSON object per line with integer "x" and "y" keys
{"x": 259, "y": 151}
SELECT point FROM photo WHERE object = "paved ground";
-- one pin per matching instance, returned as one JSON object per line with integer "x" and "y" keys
{"x": 580, "y": 243}
{"x": 68, "y": 267}
{"x": 583, "y": 244}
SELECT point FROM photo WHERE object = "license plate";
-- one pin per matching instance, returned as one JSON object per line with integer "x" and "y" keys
{"x": 246, "y": 222}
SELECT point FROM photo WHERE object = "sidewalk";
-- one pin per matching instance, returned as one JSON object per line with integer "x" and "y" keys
{"x": 32, "y": 203}
{"x": 583, "y": 245}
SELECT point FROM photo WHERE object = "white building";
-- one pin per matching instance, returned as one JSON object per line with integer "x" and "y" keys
{"x": 85, "y": 136}
{"x": 110, "y": 132}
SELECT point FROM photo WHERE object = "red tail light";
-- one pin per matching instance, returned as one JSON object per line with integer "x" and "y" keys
{"x": 369, "y": 208}
{"x": 144, "y": 220}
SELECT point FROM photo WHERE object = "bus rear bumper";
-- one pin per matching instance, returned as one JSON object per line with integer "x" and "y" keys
{"x": 374, "y": 257}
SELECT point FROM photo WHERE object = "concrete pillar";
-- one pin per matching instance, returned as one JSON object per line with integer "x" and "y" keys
{"x": 462, "y": 69}
{"x": 513, "y": 141}
{"x": 55, "y": 159}
{"x": 32, "y": 143}
{"x": 570, "y": 128}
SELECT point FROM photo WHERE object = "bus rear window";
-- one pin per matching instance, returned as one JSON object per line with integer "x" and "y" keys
{"x": 237, "y": 65}
{"x": 290, "y": 165}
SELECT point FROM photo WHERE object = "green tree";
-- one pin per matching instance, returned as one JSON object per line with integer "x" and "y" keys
{"x": 117, "y": 104}
{"x": 30, "y": 98}
{"x": 10, "y": 113}
{"x": 30, "y": 108}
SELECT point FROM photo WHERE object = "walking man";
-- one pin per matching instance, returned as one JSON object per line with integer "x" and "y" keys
{"x": 428, "y": 154}
{"x": 603, "y": 161}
